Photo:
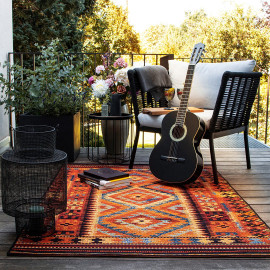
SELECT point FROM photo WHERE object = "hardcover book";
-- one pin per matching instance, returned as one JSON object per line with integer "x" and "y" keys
{"x": 106, "y": 187}
{"x": 84, "y": 177}
{"x": 106, "y": 174}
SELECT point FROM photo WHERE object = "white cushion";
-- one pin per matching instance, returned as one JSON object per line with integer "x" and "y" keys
{"x": 148, "y": 120}
{"x": 206, "y": 80}
{"x": 206, "y": 116}
{"x": 156, "y": 121}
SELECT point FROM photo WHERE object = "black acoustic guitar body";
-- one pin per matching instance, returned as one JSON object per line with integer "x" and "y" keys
{"x": 177, "y": 157}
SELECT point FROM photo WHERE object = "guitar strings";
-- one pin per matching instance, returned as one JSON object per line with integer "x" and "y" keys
{"x": 175, "y": 145}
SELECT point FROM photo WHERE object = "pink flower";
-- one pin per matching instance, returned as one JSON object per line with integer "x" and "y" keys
{"x": 120, "y": 62}
{"x": 99, "y": 69}
{"x": 121, "y": 89}
{"x": 91, "y": 80}
{"x": 109, "y": 82}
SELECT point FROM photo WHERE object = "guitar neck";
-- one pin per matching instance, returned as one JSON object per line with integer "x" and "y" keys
{"x": 181, "y": 114}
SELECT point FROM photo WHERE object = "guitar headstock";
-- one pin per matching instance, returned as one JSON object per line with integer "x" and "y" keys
{"x": 196, "y": 53}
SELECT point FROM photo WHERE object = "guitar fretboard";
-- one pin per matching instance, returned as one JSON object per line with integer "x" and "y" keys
{"x": 181, "y": 114}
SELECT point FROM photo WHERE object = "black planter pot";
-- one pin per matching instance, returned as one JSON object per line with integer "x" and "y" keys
{"x": 67, "y": 131}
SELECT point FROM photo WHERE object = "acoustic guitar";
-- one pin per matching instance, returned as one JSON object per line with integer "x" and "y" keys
{"x": 177, "y": 157}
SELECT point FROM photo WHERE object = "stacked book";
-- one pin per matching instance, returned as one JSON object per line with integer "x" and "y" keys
{"x": 105, "y": 178}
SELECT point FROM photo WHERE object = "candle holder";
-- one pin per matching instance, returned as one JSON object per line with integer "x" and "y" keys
{"x": 35, "y": 218}
{"x": 34, "y": 181}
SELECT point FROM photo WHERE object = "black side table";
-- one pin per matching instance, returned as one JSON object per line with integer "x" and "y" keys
{"x": 110, "y": 138}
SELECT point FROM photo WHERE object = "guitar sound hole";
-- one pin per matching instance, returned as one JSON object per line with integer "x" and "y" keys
{"x": 178, "y": 132}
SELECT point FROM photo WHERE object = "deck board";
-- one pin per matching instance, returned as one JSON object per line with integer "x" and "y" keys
{"x": 131, "y": 263}
{"x": 253, "y": 185}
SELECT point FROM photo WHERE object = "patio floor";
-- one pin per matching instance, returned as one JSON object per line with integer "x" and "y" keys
{"x": 253, "y": 185}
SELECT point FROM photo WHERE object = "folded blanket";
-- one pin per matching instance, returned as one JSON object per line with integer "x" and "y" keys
{"x": 154, "y": 79}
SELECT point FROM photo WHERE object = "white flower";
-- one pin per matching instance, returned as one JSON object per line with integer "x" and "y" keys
{"x": 99, "y": 69}
{"x": 100, "y": 88}
{"x": 121, "y": 76}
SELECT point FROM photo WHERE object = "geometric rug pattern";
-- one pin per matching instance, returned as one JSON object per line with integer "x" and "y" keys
{"x": 151, "y": 218}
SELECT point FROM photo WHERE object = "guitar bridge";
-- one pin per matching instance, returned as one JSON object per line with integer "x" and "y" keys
{"x": 172, "y": 159}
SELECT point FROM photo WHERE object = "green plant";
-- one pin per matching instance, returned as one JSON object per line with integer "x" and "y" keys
{"x": 54, "y": 87}
{"x": 63, "y": 19}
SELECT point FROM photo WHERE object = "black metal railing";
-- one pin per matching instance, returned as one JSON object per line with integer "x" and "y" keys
{"x": 259, "y": 123}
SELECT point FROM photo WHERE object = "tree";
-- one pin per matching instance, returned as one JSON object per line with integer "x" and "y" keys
{"x": 40, "y": 21}
{"x": 108, "y": 29}
{"x": 239, "y": 35}
{"x": 266, "y": 10}
{"x": 151, "y": 38}
{"x": 172, "y": 39}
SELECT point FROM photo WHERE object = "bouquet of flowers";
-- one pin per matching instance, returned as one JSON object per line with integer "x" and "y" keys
{"x": 110, "y": 79}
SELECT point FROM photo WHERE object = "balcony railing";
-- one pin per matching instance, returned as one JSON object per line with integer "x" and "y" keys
{"x": 259, "y": 123}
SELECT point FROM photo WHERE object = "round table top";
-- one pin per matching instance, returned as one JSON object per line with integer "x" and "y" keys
{"x": 113, "y": 117}
{"x": 11, "y": 156}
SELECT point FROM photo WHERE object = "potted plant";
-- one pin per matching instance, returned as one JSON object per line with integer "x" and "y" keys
{"x": 110, "y": 79}
{"x": 110, "y": 85}
{"x": 51, "y": 94}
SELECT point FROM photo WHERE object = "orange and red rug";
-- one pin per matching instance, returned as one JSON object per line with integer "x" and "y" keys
{"x": 150, "y": 218}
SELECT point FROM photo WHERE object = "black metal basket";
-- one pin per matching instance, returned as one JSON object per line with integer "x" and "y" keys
{"x": 34, "y": 141}
{"x": 24, "y": 179}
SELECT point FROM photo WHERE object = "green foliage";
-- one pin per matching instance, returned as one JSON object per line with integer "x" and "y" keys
{"x": 55, "y": 87}
{"x": 151, "y": 39}
{"x": 108, "y": 30}
{"x": 39, "y": 21}
{"x": 237, "y": 34}
{"x": 93, "y": 139}
{"x": 265, "y": 20}
{"x": 257, "y": 121}
{"x": 175, "y": 40}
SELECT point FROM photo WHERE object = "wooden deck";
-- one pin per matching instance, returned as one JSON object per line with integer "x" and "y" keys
{"x": 253, "y": 185}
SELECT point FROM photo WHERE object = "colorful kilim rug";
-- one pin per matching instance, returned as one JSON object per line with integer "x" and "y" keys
{"x": 150, "y": 218}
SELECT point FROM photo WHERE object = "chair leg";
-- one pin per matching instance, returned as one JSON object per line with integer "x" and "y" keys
{"x": 213, "y": 159}
{"x": 247, "y": 148}
{"x": 132, "y": 158}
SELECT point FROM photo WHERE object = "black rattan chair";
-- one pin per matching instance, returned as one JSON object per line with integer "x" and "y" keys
{"x": 141, "y": 100}
{"x": 232, "y": 110}
{"x": 231, "y": 113}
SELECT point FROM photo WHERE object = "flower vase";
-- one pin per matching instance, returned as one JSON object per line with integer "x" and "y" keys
{"x": 115, "y": 105}
{"x": 104, "y": 110}
{"x": 124, "y": 109}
